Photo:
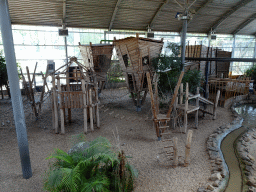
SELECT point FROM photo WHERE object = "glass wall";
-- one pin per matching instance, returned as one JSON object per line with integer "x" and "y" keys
{"x": 39, "y": 44}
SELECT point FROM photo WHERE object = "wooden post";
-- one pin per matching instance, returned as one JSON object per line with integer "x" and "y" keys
{"x": 55, "y": 106}
{"x": 216, "y": 104}
{"x": 197, "y": 105}
{"x": 97, "y": 102}
{"x": 62, "y": 126}
{"x": 175, "y": 113}
{"x": 152, "y": 96}
{"x": 53, "y": 114}
{"x": 31, "y": 93}
{"x": 185, "y": 111}
{"x": 90, "y": 110}
{"x": 175, "y": 152}
{"x": 181, "y": 93}
{"x": 84, "y": 106}
{"x": 187, "y": 148}
{"x": 175, "y": 94}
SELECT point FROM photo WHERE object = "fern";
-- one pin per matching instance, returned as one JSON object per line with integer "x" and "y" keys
{"x": 97, "y": 168}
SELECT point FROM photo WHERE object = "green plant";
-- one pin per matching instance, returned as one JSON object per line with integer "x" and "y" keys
{"x": 97, "y": 168}
{"x": 4, "y": 75}
{"x": 169, "y": 67}
{"x": 251, "y": 72}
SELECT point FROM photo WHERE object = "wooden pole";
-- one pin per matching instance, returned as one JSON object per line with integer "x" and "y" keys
{"x": 175, "y": 152}
{"x": 31, "y": 93}
{"x": 185, "y": 111}
{"x": 197, "y": 105}
{"x": 90, "y": 110}
{"x": 84, "y": 106}
{"x": 187, "y": 148}
{"x": 56, "y": 123}
{"x": 97, "y": 102}
{"x": 61, "y": 108}
{"x": 152, "y": 96}
{"x": 175, "y": 94}
{"x": 216, "y": 104}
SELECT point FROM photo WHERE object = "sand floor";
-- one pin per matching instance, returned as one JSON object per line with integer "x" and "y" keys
{"x": 137, "y": 138}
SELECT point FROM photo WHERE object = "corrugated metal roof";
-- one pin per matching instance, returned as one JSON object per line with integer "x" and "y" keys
{"x": 137, "y": 14}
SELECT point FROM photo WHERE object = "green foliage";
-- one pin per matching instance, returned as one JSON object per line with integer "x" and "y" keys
{"x": 3, "y": 72}
{"x": 251, "y": 72}
{"x": 169, "y": 68}
{"x": 97, "y": 168}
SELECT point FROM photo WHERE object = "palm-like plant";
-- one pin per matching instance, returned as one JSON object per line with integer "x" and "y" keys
{"x": 97, "y": 168}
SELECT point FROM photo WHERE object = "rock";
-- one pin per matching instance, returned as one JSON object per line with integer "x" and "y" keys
{"x": 248, "y": 168}
{"x": 210, "y": 187}
{"x": 246, "y": 139}
{"x": 216, "y": 183}
{"x": 251, "y": 157}
{"x": 252, "y": 189}
{"x": 247, "y": 162}
{"x": 215, "y": 176}
{"x": 201, "y": 189}
{"x": 251, "y": 181}
{"x": 79, "y": 147}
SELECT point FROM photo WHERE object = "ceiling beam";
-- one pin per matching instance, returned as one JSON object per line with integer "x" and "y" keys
{"x": 114, "y": 15}
{"x": 206, "y": 3}
{"x": 64, "y": 13}
{"x": 157, "y": 12}
{"x": 244, "y": 24}
{"x": 226, "y": 15}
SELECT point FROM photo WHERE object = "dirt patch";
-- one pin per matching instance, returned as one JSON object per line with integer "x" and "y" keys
{"x": 138, "y": 140}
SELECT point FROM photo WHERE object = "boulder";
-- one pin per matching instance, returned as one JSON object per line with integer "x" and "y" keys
{"x": 216, "y": 176}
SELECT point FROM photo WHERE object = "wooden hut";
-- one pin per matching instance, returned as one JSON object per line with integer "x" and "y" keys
{"x": 76, "y": 88}
{"x": 135, "y": 54}
{"x": 98, "y": 57}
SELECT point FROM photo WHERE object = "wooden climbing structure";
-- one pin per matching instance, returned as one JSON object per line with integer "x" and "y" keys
{"x": 135, "y": 54}
{"x": 77, "y": 87}
{"x": 98, "y": 57}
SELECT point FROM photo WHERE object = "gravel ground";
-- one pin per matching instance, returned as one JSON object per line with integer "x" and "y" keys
{"x": 137, "y": 138}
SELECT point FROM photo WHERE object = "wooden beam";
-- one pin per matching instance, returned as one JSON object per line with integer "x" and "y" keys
{"x": 157, "y": 12}
{"x": 114, "y": 15}
{"x": 244, "y": 24}
{"x": 226, "y": 15}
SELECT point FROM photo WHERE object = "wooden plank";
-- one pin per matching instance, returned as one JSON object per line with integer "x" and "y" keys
{"x": 175, "y": 94}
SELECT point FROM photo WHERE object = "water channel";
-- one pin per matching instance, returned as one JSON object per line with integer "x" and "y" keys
{"x": 248, "y": 112}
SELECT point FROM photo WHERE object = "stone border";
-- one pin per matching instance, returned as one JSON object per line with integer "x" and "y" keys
{"x": 220, "y": 174}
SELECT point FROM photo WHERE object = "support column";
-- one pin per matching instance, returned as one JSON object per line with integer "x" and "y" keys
{"x": 254, "y": 56}
{"x": 66, "y": 48}
{"x": 233, "y": 53}
{"x": 183, "y": 39}
{"x": 17, "y": 103}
